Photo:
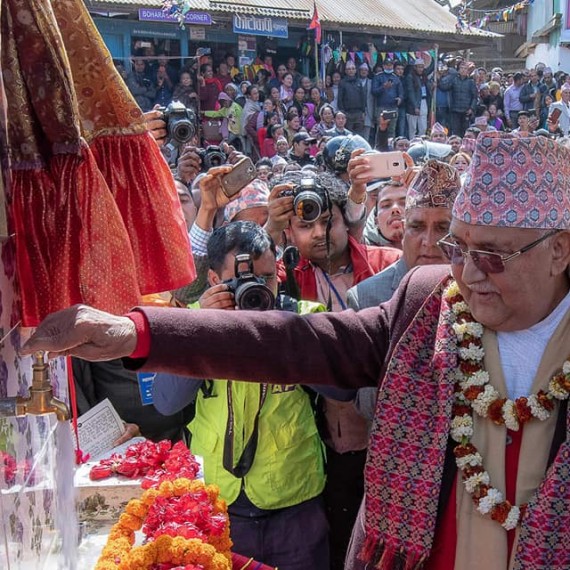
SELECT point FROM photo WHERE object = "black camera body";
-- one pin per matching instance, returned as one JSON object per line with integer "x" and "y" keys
{"x": 180, "y": 122}
{"x": 250, "y": 292}
{"x": 310, "y": 199}
{"x": 212, "y": 156}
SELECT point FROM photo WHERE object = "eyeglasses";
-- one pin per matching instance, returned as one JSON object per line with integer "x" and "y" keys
{"x": 486, "y": 261}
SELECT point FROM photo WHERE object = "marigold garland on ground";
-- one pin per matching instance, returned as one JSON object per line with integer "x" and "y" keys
{"x": 211, "y": 552}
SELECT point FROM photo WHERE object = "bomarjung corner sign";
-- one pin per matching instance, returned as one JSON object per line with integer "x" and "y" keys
{"x": 255, "y": 26}
{"x": 158, "y": 15}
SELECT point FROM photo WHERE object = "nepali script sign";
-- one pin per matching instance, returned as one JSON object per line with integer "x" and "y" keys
{"x": 158, "y": 15}
{"x": 255, "y": 26}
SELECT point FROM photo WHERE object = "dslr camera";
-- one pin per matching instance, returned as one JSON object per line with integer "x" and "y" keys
{"x": 250, "y": 291}
{"x": 212, "y": 156}
{"x": 310, "y": 199}
{"x": 180, "y": 122}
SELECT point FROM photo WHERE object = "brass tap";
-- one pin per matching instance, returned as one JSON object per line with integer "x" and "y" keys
{"x": 41, "y": 399}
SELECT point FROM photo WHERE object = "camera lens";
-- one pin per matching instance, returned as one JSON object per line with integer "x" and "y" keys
{"x": 254, "y": 297}
{"x": 182, "y": 131}
{"x": 308, "y": 206}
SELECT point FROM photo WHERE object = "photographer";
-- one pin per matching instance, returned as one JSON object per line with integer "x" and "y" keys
{"x": 270, "y": 466}
{"x": 211, "y": 202}
{"x": 140, "y": 86}
{"x": 331, "y": 261}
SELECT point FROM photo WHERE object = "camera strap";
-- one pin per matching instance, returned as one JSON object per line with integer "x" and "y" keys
{"x": 334, "y": 290}
{"x": 244, "y": 463}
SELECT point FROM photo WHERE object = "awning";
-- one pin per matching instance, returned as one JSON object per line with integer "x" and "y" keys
{"x": 406, "y": 18}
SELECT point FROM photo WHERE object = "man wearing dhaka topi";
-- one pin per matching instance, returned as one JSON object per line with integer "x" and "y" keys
{"x": 469, "y": 457}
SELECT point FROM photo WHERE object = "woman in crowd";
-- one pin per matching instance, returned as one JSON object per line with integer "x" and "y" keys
{"x": 316, "y": 99}
{"x": 495, "y": 98}
{"x": 269, "y": 119}
{"x": 493, "y": 120}
{"x": 326, "y": 116}
{"x": 249, "y": 119}
{"x": 273, "y": 134}
{"x": 282, "y": 148}
{"x": 547, "y": 101}
{"x": 210, "y": 88}
{"x": 308, "y": 119}
{"x": 185, "y": 92}
{"x": 299, "y": 99}
{"x": 241, "y": 96}
{"x": 293, "y": 127}
{"x": 306, "y": 83}
{"x": 263, "y": 84}
{"x": 461, "y": 161}
{"x": 286, "y": 93}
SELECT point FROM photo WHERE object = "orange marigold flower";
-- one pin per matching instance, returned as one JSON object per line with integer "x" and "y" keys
{"x": 463, "y": 450}
{"x": 468, "y": 367}
{"x": 461, "y": 410}
{"x": 470, "y": 470}
{"x": 106, "y": 565}
{"x": 545, "y": 400}
{"x": 136, "y": 508}
{"x": 166, "y": 489}
{"x": 472, "y": 392}
{"x": 141, "y": 557}
{"x": 524, "y": 412}
{"x": 495, "y": 411}
{"x": 130, "y": 522}
{"x": 118, "y": 531}
{"x": 500, "y": 512}
{"x": 481, "y": 491}
{"x": 149, "y": 496}
{"x": 181, "y": 487}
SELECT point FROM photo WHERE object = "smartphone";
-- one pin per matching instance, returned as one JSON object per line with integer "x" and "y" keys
{"x": 242, "y": 173}
{"x": 386, "y": 164}
{"x": 555, "y": 115}
{"x": 389, "y": 115}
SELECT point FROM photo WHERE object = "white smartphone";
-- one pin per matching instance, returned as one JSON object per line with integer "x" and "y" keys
{"x": 385, "y": 164}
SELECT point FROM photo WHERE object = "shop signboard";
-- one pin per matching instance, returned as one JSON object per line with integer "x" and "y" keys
{"x": 197, "y": 33}
{"x": 256, "y": 26}
{"x": 158, "y": 15}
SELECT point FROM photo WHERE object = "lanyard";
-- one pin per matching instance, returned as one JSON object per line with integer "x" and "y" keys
{"x": 335, "y": 291}
{"x": 245, "y": 461}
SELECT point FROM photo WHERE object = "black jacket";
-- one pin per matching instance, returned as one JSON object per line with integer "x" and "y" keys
{"x": 351, "y": 96}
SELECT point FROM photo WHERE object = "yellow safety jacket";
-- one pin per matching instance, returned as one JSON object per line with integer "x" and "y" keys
{"x": 286, "y": 466}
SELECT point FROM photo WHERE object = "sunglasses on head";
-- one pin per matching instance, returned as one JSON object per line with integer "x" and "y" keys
{"x": 485, "y": 261}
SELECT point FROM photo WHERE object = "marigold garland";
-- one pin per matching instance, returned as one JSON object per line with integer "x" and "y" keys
{"x": 474, "y": 393}
{"x": 210, "y": 552}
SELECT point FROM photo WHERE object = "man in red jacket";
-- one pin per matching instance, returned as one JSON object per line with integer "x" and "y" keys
{"x": 331, "y": 262}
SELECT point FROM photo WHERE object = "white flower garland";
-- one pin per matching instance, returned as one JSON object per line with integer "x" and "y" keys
{"x": 475, "y": 391}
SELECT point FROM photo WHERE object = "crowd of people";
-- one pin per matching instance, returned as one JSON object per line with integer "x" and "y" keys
{"x": 317, "y": 450}
{"x": 281, "y": 102}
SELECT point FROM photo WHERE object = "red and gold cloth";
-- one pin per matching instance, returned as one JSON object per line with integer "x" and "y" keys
{"x": 90, "y": 199}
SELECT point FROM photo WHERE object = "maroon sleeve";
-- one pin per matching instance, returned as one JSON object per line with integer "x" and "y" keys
{"x": 345, "y": 349}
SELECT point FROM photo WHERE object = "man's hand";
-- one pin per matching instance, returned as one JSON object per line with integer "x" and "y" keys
{"x": 383, "y": 123}
{"x": 212, "y": 197}
{"x": 131, "y": 430}
{"x": 218, "y": 297}
{"x": 280, "y": 212}
{"x": 359, "y": 175}
{"x": 156, "y": 125}
{"x": 552, "y": 125}
{"x": 410, "y": 172}
{"x": 234, "y": 156}
{"x": 189, "y": 164}
{"x": 84, "y": 332}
